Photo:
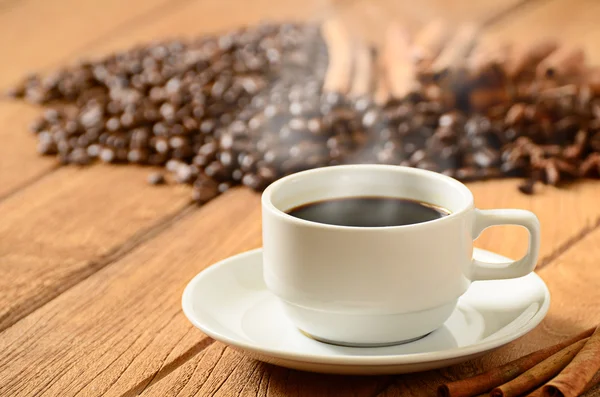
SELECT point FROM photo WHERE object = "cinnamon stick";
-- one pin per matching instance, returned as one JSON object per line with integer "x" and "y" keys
{"x": 429, "y": 42}
{"x": 486, "y": 56}
{"x": 539, "y": 392}
{"x": 483, "y": 98}
{"x": 339, "y": 70}
{"x": 400, "y": 68}
{"x": 572, "y": 381}
{"x": 362, "y": 80}
{"x": 593, "y": 383}
{"x": 528, "y": 57}
{"x": 559, "y": 92}
{"x": 457, "y": 50}
{"x": 536, "y": 393}
{"x": 382, "y": 91}
{"x": 593, "y": 80}
{"x": 497, "y": 376}
{"x": 540, "y": 373}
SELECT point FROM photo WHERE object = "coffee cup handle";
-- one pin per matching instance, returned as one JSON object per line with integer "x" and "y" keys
{"x": 496, "y": 271}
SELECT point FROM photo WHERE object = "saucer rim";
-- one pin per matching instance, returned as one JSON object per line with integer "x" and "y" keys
{"x": 396, "y": 359}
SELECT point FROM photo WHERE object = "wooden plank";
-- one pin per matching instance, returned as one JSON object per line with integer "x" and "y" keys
{"x": 370, "y": 19}
{"x": 111, "y": 334}
{"x": 124, "y": 359}
{"x": 19, "y": 160}
{"x": 60, "y": 230}
{"x": 367, "y": 18}
{"x": 199, "y": 17}
{"x": 563, "y": 213}
{"x": 571, "y": 22}
{"x": 38, "y": 34}
{"x": 222, "y": 371}
{"x": 137, "y": 363}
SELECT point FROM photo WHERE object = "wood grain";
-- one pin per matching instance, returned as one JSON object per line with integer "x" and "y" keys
{"x": 111, "y": 334}
{"x": 19, "y": 161}
{"x": 222, "y": 371}
{"x": 61, "y": 230}
{"x": 38, "y": 34}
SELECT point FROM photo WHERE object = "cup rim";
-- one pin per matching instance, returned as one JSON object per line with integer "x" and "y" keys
{"x": 268, "y": 193}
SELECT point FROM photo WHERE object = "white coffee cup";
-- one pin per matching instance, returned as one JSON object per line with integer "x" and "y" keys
{"x": 370, "y": 286}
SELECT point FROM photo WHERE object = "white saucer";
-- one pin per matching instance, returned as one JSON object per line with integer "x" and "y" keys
{"x": 229, "y": 302}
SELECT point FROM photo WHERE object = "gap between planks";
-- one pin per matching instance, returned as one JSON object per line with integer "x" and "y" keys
{"x": 557, "y": 253}
{"x": 169, "y": 368}
{"x": 118, "y": 252}
{"x": 29, "y": 182}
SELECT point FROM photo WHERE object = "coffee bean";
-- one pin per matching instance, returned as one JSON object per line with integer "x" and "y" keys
{"x": 527, "y": 187}
{"x": 204, "y": 190}
{"x": 486, "y": 158}
{"x": 157, "y": 159}
{"x": 252, "y": 181}
{"x": 156, "y": 178}
{"x": 15, "y": 92}
{"x": 137, "y": 156}
{"x": 79, "y": 156}
{"x": 93, "y": 150}
{"x": 223, "y": 187}
{"x": 38, "y": 125}
{"x": 107, "y": 155}
{"x": 184, "y": 174}
{"x": 161, "y": 145}
{"x": 47, "y": 148}
{"x": 466, "y": 174}
{"x": 216, "y": 170}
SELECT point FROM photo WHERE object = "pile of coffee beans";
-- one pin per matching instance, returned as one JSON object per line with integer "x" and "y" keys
{"x": 247, "y": 108}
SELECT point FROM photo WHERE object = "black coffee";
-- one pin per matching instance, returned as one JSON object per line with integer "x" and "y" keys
{"x": 368, "y": 211}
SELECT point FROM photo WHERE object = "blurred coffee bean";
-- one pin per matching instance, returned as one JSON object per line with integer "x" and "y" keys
{"x": 156, "y": 178}
{"x": 107, "y": 155}
{"x": 204, "y": 189}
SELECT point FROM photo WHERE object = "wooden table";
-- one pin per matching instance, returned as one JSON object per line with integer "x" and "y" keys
{"x": 93, "y": 261}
